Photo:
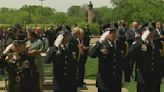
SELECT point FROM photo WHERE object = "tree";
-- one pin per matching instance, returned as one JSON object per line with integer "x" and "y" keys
{"x": 140, "y": 10}
{"x": 104, "y": 14}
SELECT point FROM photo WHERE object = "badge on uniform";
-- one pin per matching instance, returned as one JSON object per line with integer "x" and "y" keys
{"x": 58, "y": 52}
{"x": 104, "y": 50}
{"x": 111, "y": 45}
{"x": 143, "y": 47}
{"x": 74, "y": 55}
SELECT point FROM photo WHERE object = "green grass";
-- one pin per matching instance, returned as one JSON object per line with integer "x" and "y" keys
{"x": 91, "y": 71}
{"x": 91, "y": 68}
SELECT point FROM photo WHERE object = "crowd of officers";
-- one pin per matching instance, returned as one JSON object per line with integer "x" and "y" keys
{"x": 119, "y": 50}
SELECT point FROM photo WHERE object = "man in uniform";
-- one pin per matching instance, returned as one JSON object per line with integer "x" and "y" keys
{"x": 110, "y": 55}
{"x": 20, "y": 68}
{"x": 63, "y": 57}
{"x": 147, "y": 54}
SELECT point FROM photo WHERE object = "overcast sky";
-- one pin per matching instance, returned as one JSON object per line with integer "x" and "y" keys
{"x": 59, "y": 5}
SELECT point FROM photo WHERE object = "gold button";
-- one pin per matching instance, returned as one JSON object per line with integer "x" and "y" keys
{"x": 114, "y": 54}
{"x": 152, "y": 52}
{"x": 65, "y": 68}
{"x": 114, "y": 60}
{"x": 114, "y": 67}
{"x": 152, "y": 69}
{"x": 114, "y": 73}
{"x": 65, "y": 74}
{"x": 152, "y": 57}
{"x": 152, "y": 63}
{"x": 65, "y": 56}
{"x": 66, "y": 62}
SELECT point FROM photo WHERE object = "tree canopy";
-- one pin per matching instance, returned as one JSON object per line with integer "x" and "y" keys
{"x": 129, "y": 10}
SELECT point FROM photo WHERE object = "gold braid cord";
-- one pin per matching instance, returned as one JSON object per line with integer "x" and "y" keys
{"x": 126, "y": 48}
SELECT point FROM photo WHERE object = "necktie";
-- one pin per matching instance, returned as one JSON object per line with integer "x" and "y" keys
{"x": 113, "y": 45}
{"x": 149, "y": 45}
{"x": 152, "y": 45}
{"x": 64, "y": 47}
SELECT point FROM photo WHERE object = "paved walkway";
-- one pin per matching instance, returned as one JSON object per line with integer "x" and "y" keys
{"x": 89, "y": 88}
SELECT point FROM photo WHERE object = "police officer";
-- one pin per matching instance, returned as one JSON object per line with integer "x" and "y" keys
{"x": 64, "y": 62}
{"x": 110, "y": 55}
{"x": 147, "y": 54}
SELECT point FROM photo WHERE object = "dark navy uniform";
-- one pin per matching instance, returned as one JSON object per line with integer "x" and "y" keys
{"x": 148, "y": 61}
{"x": 21, "y": 69}
{"x": 109, "y": 78}
{"x": 64, "y": 67}
{"x": 20, "y": 72}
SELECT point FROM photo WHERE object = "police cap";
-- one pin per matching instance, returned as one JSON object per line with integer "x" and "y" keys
{"x": 19, "y": 42}
{"x": 111, "y": 30}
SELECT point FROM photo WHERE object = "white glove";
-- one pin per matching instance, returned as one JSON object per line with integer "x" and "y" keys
{"x": 137, "y": 35}
{"x": 103, "y": 36}
{"x": 145, "y": 35}
{"x": 8, "y": 48}
{"x": 58, "y": 40}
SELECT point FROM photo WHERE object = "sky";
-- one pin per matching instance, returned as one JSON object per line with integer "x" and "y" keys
{"x": 59, "y": 5}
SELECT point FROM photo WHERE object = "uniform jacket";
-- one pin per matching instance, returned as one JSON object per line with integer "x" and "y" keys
{"x": 110, "y": 63}
{"x": 64, "y": 65}
{"x": 148, "y": 60}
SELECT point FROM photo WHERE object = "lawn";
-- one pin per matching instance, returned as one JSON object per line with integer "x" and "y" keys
{"x": 91, "y": 70}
